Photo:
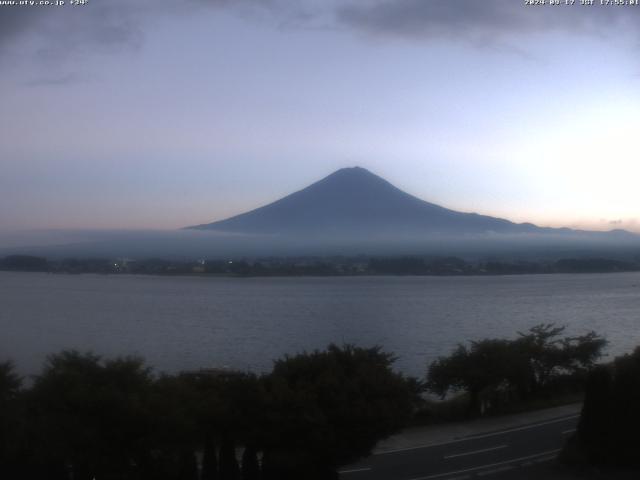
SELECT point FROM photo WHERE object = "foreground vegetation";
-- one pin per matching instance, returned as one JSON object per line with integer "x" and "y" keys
{"x": 607, "y": 434}
{"x": 496, "y": 373}
{"x": 85, "y": 417}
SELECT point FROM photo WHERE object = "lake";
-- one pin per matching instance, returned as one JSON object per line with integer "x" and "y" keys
{"x": 180, "y": 323}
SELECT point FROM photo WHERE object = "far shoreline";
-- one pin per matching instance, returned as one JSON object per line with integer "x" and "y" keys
{"x": 365, "y": 276}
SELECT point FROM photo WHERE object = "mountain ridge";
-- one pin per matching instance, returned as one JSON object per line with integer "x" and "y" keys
{"x": 354, "y": 201}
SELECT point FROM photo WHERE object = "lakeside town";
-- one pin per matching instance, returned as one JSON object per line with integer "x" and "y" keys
{"x": 316, "y": 266}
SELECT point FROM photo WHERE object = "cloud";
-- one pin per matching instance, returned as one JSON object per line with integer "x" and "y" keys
{"x": 479, "y": 20}
{"x": 14, "y": 21}
{"x": 57, "y": 33}
{"x": 54, "y": 33}
{"x": 284, "y": 14}
{"x": 632, "y": 224}
{"x": 56, "y": 80}
{"x": 54, "y": 43}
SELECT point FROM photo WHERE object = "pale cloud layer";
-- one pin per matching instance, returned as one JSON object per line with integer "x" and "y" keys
{"x": 484, "y": 19}
{"x": 110, "y": 25}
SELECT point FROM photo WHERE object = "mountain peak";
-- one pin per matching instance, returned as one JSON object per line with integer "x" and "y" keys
{"x": 352, "y": 173}
{"x": 354, "y": 177}
{"x": 355, "y": 202}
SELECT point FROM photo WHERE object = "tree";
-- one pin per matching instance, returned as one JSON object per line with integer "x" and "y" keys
{"x": 10, "y": 421}
{"x": 608, "y": 431}
{"x": 250, "y": 465}
{"x": 328, "y": 408}
{"x": 25, "y": 263}
{"x": 582, "y": 352}
{"x": 10, "y": 383}
{"x": 542, "y": 348}
{"x": 91, "y": 415}
{"x": 229, "y": 468}
{"x": 625, "y": 398}
{"x": 228, "y": 409}
{"x": 493, "y": 368}
{"x": 487, "y": 365}
{"x": 209, "y": 460}
{"x": 550, "y": 355}
{"x": 595, "y": 419}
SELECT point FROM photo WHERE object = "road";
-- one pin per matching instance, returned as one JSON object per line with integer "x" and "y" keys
{"x": 477, "y": 456}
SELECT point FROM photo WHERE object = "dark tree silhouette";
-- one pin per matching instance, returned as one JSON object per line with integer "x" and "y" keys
{"x": 250, "y": 465}
{"x": 85, "y": 417}
{"x": 11, "y": 427}
{"x": 607, "y": 434}
{"x": 209, "y": 460}
{"x": 549, "y": 355}
{"x": 497, "y": 368}
{"x": 91, "y": 414}
{"x": 485, "y": 365}
{"x": 594, "y": 426}
{"x": 328, "y": 408}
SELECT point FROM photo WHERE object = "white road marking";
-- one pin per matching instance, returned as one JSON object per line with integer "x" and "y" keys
{"x": 489, "y": 466}
{"x": 490, "y": 449}
{"x": 476, "y": 437}
{"x": 355, "y": 470}
{"x": 543, "y": 459}
{"x": 567, "y": 432}
{"x": 493, "y": 471}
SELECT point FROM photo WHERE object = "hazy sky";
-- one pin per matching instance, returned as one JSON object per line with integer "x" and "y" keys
{"x": 161, "y": 114}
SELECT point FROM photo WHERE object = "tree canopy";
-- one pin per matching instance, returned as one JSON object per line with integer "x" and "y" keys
{"x": 607, "y": 433}
{"x": 331, "y": 407}
{"x": 89, "y": 417}
{"x": 521, "y": 367}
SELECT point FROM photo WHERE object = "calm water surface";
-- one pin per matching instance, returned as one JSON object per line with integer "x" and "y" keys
{"x": 190, "y": 322}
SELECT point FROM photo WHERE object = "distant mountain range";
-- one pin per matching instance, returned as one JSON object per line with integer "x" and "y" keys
{"x": 354, "y": 202}
{"x": 350, "y": 212}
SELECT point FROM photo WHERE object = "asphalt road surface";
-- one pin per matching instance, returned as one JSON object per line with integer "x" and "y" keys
{"x": 500, "y": 454}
